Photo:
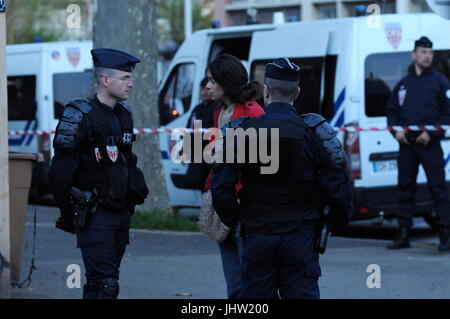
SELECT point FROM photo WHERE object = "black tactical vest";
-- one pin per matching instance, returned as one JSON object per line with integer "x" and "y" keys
{"x": 287, "y": 195}
{"x": 106, "y": 157}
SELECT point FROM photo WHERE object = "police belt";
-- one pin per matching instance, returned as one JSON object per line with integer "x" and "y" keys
{"x": 126, "y": 139}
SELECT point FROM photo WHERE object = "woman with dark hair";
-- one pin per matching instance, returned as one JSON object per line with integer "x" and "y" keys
{"x": 228, "y": 85}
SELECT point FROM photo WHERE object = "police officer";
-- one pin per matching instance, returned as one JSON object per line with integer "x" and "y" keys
{"x": 197, "y": 173}
{"x": 421, "y": 97}
{"x": 93, "y": 175}
{"x": 280, "y": 211}
{"x": 203, "y": 111}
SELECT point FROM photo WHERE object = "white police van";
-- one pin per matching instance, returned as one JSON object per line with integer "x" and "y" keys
{"x": 42, "y": 78}
{"x": 349, "y": 67}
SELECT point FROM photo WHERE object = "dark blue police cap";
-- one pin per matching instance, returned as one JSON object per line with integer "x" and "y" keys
{"x": 283, "y": 69}
{"x": 423, "y": 42}
{"x": 114, "y": 59}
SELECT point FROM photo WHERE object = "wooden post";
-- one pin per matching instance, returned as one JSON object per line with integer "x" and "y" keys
{"x": 5, "y": 277}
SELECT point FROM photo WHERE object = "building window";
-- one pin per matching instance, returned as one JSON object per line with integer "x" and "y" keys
{"x": 326, "y": 11}
{"x": 421, "y": 6}
{"x": 265, "y": 16}
{"x": 238, "y": 17}
{"x": 358, "y": 9}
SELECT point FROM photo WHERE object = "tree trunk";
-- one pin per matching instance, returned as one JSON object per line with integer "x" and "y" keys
{"x": 130, "y": 26}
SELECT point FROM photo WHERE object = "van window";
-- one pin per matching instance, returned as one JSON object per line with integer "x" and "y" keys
{"x": 310, "y": 83}
{"x": 71, "y": 86}
{"x": 239, "y": 47}
{"x": 384, "y": 70}
{"x": 175, "y": 98}
{"x": 21, "y": 98}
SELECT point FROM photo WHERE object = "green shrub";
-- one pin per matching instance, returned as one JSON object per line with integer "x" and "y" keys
{"x": 160, "y": 220}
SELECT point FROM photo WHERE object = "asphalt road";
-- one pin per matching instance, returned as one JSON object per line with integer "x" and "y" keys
{"x": 172, "y": 265}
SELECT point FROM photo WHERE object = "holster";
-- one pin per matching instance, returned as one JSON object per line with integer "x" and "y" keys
{"x": 83, "y": 205}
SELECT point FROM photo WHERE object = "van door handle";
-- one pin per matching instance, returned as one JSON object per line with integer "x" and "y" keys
{"x": 375, "y": 157}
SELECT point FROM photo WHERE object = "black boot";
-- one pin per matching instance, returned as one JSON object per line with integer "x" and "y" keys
{"x": 444, "y": 242}
{"x": 91, "y": 290}
{"x": 403, "y": 239}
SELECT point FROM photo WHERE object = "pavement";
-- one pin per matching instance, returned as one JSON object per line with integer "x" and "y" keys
{"x": 187, "y": 265}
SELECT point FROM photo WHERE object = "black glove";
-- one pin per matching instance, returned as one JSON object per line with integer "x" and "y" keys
{"x": 65, "y": 222}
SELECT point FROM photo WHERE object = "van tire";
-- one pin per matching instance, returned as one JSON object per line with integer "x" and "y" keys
{"x": 431, "y": 220}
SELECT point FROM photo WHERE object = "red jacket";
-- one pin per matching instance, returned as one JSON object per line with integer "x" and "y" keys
{"x": 250, "y": 109}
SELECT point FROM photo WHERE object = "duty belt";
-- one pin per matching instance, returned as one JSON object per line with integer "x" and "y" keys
{"x": 125, "y": 139}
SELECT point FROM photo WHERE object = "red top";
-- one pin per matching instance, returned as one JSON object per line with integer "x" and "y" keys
{"x": 250, "y": 109}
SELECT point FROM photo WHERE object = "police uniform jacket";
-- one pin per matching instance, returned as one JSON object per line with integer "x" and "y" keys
{"x": 93, "y": 150}
{"x": 420, "y": 100}
{"x": 311, "y": 174}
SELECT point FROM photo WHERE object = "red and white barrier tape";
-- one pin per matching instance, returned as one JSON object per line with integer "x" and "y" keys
{"x": 139, "y": 131}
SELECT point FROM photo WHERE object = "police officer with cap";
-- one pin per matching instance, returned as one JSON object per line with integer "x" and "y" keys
{"x": 93, "y": 175}
{"x": 422, "y": 97}
{"x": 280, "y": 211}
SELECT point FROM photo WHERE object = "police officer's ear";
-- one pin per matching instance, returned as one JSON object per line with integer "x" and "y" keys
{"x": 413, "y": 55}
{"x": 103, "y": 80}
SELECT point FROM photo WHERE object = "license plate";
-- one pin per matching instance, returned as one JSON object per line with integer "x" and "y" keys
{"x": 384, "y": 166}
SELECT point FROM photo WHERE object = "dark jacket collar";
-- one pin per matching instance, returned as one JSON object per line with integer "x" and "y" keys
{"x": 281, "y": 107}
{"x": 99, "y": 103}
{"x": 425, "y": 72}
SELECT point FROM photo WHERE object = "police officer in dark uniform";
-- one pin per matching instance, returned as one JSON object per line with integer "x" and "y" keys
{"x": 197, "y": 173}
{"x": 422, "y": 97}
{"x": 93, "y": 175}
{"x": 203, "y": 111}
{"x": 280, "y": 211}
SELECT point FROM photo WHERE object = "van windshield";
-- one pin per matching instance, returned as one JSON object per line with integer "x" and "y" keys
{"x": 70, "y": 86}
{"x": 384, "y": 70}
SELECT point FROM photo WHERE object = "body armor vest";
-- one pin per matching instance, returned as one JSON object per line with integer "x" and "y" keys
{"x": 293, "y": 189}
{"x": 106, "y": 158}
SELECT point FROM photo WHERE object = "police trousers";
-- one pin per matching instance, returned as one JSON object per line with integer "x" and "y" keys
{"x": 432, "y": 160}
{"x": 102, "y": 245}
{"x": 282, "y": 265}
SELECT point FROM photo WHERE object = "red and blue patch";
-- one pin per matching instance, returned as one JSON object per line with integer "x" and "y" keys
{"x": 55, "y": 55}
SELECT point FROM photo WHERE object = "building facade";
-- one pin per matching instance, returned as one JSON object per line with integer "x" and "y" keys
{"x": 240, "y": 12}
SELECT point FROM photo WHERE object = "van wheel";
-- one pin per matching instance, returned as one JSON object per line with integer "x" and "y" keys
{"x": 431, "y": 221}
